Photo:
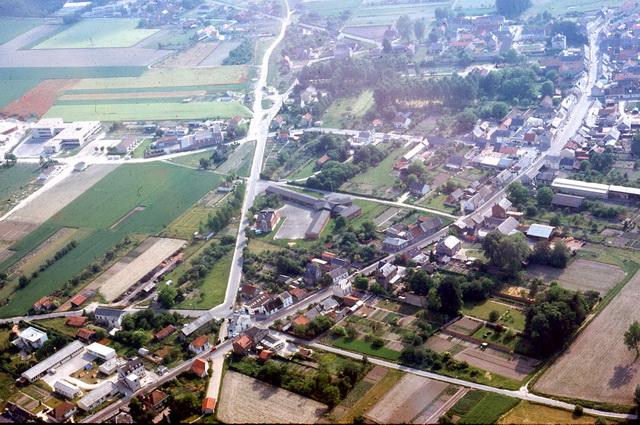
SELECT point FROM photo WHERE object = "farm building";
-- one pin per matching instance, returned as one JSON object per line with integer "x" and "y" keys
{"x": 571, "y": 201}
{"x": 289, "y": 195}
{"x": 208, "y": 405}
{"x": 540, "y": 231}
{"x": 579, "y": 188}
{"x": 347, "y": 212}
{"x": 317, "y": 225}
{"x": 60, "y": 357}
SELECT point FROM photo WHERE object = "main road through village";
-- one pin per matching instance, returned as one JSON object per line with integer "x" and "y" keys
{"x": 258, "y": 131}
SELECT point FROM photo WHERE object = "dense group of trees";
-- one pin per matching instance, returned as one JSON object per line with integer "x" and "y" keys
{"x": 553, "y": 318}
{"x": 241, "y": 54}
{"x": 571, "y": 30}
{"x": 30, "y": 8}
{"x": 222, "y": 217}
{"x": 315, "y": 327}
{"x": 137, "y": 328}
{"x": 506, "y": 252}
{"x": 323, "y": 385}
{"x": 558, "y": 256}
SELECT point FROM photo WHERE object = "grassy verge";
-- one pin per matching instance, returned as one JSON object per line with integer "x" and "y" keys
{"x": 213, "y": 288}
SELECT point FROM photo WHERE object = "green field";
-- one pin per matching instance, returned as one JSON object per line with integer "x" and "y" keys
{"x": 98, "y": 32}
{"x": 560, "y": 7}
{"x": 366, "y": 348}
{"x": 158, "y": 187}
{"x": 331, "y": 7}
{"x": 14, "y": 82}
{"x": 213, "y": 288}
{"x": 355, "y": 105}
{"x": 10, "y": 28}
{"x": 148, "y": 111}
{"x": 489, "y": 409}
{"x": 169, "y": 77}
{"x": 187, "y": 224}
{"x": 482, "y": 309}
{"x": 15, "y": 178}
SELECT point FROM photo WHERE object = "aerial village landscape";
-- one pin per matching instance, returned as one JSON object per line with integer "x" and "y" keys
{"x": 320, "y": 211}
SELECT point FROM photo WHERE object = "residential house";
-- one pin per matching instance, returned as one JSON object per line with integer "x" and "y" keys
{"x": 249, "y": 292}
{"x": 200, "y": 344}
{"x": 508, "y": 226}
{"x": 385, "y": 273}
{"x": 85, "y": 335}
{"x": 286, "y": 298}
{"x": 478, "y": 199}
{"x": 342, "y": 289}
{"x": 540, "y": 232}
{"x": 299, "y": 294}
{"x": 76, "y": 321}
{"x": 455, "y": 163}
{"x": 394, "y": 244}
{"x": 273, "y": 306}
{"x": 44, "y": 303}
{"x": 322, "y": 160}
{"x": 200, "y": 367}
{"x": 32, "y": 338}
{"x": 363, "y": 138}
{"x": 109, "y": 317}
{"x": 267, "y": 220}
{"x": 164, "y": 333}
{"x": 453, "y": 199}
{"x": 62, "y": 412}
{"x": 448, "y": 246}
{"x": 402, "y": 122}
{"x": 257, "y": 305}
{"x": 500, "y": 209}
{"x": 225, "y": 187}
{"x": 131, "y": 373}
{"x": 338, "y": 274}
{"x": 242, "y": 345}
{"x": 419, "y": 189}
{"x": 312, "y": 274}
{"x": 156, "y": 401}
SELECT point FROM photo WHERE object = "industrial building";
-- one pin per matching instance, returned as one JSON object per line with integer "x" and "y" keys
{"x": 580, "y": 188}
{"x": 62, "y": 356}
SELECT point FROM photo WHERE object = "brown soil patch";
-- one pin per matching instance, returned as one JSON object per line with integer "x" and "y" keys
{"x": 515, "y": 367}
{"x": 11, "y": 230}
{"x": 376, "y": 374}
{"x": 191, "y": 57}
{"x": 247, "y": 400}
{"x": 598, "y": 366}
{"x": 466, "y": 325}
{"x": 407, "y": 400}
{"x": 39, "y": 99}
{"x": 439, "y": 344}
{"x": 581, "y": 275}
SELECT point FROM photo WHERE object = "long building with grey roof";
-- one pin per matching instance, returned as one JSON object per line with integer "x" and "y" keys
{"x": 62, "y": 356}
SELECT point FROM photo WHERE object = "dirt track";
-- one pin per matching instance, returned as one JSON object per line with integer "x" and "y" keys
{"x": 598, "y": 366}
{"x": 247, "y": 400}
{"x": 122, "y": 275}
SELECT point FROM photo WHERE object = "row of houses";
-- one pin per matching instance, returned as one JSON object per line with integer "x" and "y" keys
{"x": 399, "y": 236}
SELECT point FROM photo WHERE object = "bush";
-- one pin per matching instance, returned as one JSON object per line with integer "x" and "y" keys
{"x": 377, "y": 342}
{"x": 578, "y": 410}
{"x": 494, "y": 315}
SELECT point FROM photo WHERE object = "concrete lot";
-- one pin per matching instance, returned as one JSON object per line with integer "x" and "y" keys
{"x": 71, "y": 366}
{"x": 296, "y": 221}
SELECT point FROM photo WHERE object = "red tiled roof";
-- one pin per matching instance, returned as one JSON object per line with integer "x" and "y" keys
{"x": 199, "y": 341}
{"x": 301, "y": 320}
{"x": 157, "y": 396}
{"x": 84, "y": 333}
{"x": 243, "y": 341}
{"x": 265, "y": 354}
{"x": 76, "y": 321}
{"x": 199, "y": 366}
{"x": 78, "y": 300}
{"x": 165, "y": 332}
{"x": 209, "y": 403}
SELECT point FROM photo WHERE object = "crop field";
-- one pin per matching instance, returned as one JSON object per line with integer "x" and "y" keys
{"x": 98, "y": 32}
{"x": 39, "y": 99}
{"x": 531, "y": 413}
{"x": 556, "y": 7}
{"x": 128, "y": 271}
{"x": 148, "y": 111}
{"x": 598, "y": 366}
{"x": 188, "y": 223}
{"x": 489, "y": 409}
{"x": 99, "y": 208}
{"x": 331, "y": 7}
{"x": 13, "y": 27}
{"x": 413, "y": 398}
{"x": 14, "y": 178}
{"x": 269, "y": 404}
{"x": 387, "y": 13}
{"x": 582, "y": 275}
{"x": 170, "y": 77}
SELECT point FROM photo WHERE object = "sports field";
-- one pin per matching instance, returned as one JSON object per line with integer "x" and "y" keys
{"x": 98, "y": 32}
{"x": 158, "y": 187}
{"x": 148, "y": 111}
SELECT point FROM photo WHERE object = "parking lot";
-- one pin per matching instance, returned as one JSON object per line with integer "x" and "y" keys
{"x": 296, "y": 221}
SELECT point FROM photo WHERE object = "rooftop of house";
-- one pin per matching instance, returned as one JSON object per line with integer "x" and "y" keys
{"x": 199, "y": 342}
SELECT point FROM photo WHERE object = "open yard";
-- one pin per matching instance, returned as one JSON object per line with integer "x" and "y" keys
{"x": 581, "y": 275}
{"x": 247, "y": 400}
{"x": 413, "y": 398}
{"x": 378, "y": 180}
{"x": 98, "y": 32}
{"x": 103, "y": 206}
{"x": 211, "y": 292}
{"x": 348, "y": 109}
{"x": 598, "y": 366}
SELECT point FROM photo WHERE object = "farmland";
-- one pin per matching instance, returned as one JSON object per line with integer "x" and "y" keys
{"x": 598, "y": 366}
{"x": 350, "y": 109}
{"x": 148, "y": 111}
{"x": 13, "y": 27}
{"x": 581, "y": 275}
{"x": 39, "y": 99}
{"x": 380, "y": 174}
{"x": 269, "y": 404}
{"x": 92, "y": 33}
{"x": 15, "y": 178}
{"x": 489, "y": 409}
{"x": 109, "y": 200}
{"x": 331, "y": 7}
{"x": 530, "y": 413}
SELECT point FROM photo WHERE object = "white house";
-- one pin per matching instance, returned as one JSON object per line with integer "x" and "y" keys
{"x": 109, "y": 366}
{"x": 109, "y": 316}
{"x": 287, "y": 299}
{"x": 32, "y": 338}
{"x": 67, "y": 389}
{"x": 199, "y": 344}
{"x": 132, "y": 372}
{"x": 342, "y": 288}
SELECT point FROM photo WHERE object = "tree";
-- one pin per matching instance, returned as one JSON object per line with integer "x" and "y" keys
{"x": 544, "y": 196}
{"x": 578, "y": 410}
{"x": 512, "y": 8}
{"x": 636, "y": 395}
{"x": 559, "y": 256}
{"x": 450, "y": 296}
{"x": 205, "y": 163}
{"x": 404, "y": 27}
{"x": 386, "y": 46}
{"x": 167, "y": 296}
{"x": 361, "y": 282}
{"x": 418, "y": 28}
{"x": 331, "y": 395}
{"x": 182, "y": 406}
{"x": 507, "y": 252}
{"x": 494, "y": 315}
{"x": 340, "y": 223}
{"x": 518, "y": 194}
{"x": 635, "y": 144}
{"x": 547, "y": 89}
{"x": 352, "y": 333}
{"x": 632, "y": 337}
{"x": 10, "y": 159}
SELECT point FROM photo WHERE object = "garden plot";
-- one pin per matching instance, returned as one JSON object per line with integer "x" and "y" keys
{"x": 598, "y": 366}
{"x": 411, "y": 399}
{"x": 216, "y": 57}
{"x": 122, "y": 275}
{"x": 512, "y": 366}
{"x": 247, "y": 400}
{"x": 581, "y": 275}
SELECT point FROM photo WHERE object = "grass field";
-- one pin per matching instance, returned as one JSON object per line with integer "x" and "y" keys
{"x": 466, "y": 403}
{"x": 213, "y": 288}
{"x": 481, "y": 310}
{"x": 16, "y": 177}
{"x": 376, "y": 180}
{"x": 531, "y": 413}
{"x": 257, "y": 246}
{"x": 356, "y": 106}
{"x": 331, "y": 7}
{"x": 169, "y": 77}
{"x": 148, "y": 111}
{"x": 366, "y": 348}
{"x": 559, "y": 7}
{"x": 13, "y": 27}
{"x": 93, "y": 33}
{"x": 191, "y": 160}
{"x": 98, "y": 209}
{"x": 239, "y": 161}
{"x": 489, "y": 409}
{"x": 185, "y": 225}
